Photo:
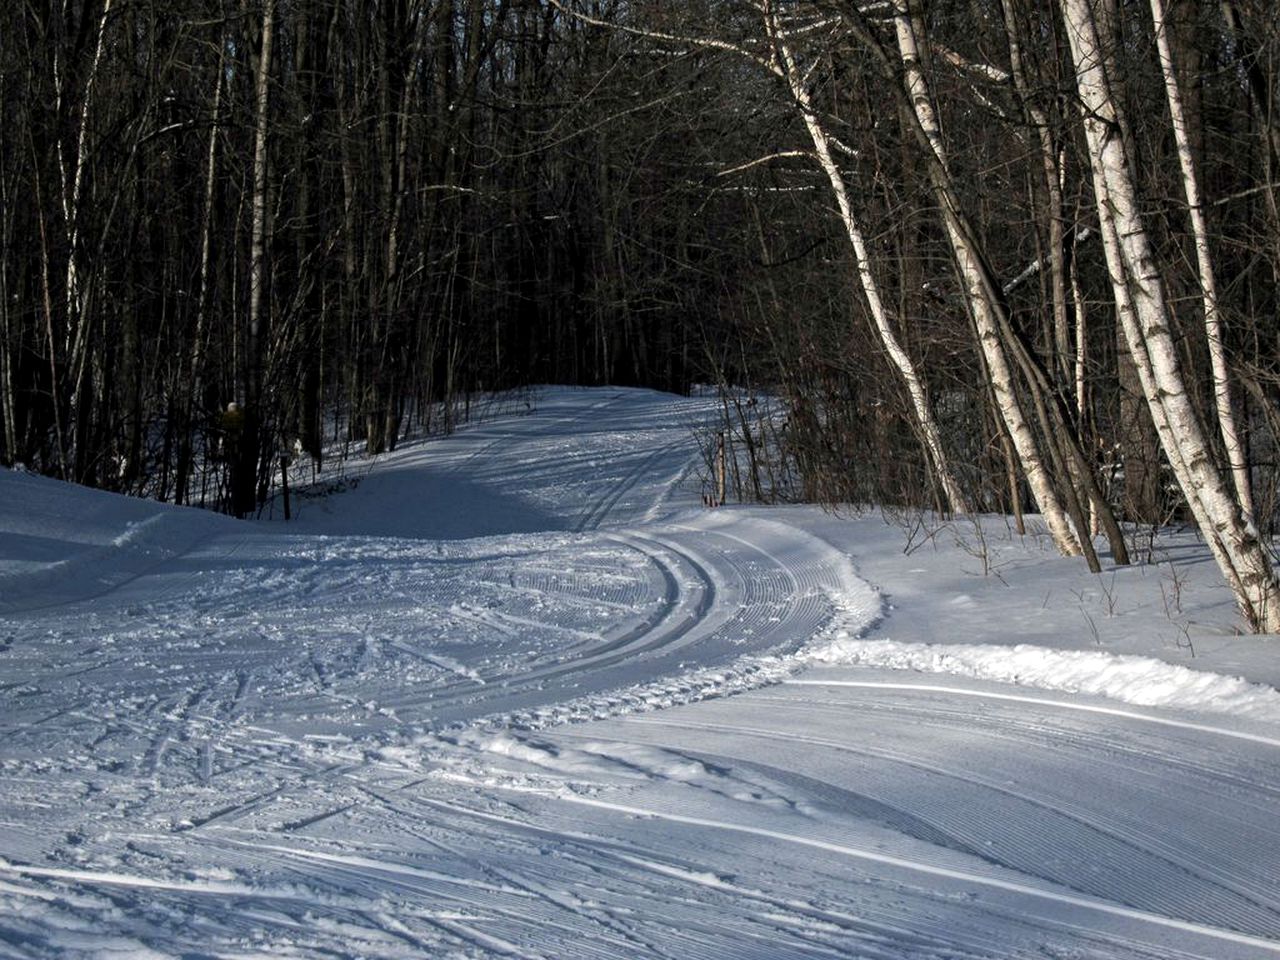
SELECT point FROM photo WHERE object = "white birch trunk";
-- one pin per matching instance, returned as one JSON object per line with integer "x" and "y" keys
{"x": 244, "y": 470}
{"x": 71, "y": 204}
{"x": 257, "y": 244}
{"x": 1082, "y": 345}
{"x": 8, "y": 395}
{"x": 1204, "y": 264}
{"x": 206, "y": 237}
{"x": 1144, "y": 317}
{"x": 925, "y": 423}
{"x": 982, "y": 309}
{"x": 76, "y": 295}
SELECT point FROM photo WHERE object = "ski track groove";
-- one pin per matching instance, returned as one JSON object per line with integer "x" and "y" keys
{"x": 1023, "y": 856}
{"x": 408, "y": 879}
{"x": 1044, "y": 701}
{"x": 615, "y": 932}
{"x": 981, "y": 947}
{"x": 1069, "y": 899}
{"x": 1017, "y": 729}
{"x": 599, "y": 511}
{"x": 588, "y": 856}
{"x": 684, "y": 613}
{"x": 173, "y": 727}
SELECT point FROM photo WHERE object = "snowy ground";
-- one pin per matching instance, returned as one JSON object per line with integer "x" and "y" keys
{"x": 477, "y": 706}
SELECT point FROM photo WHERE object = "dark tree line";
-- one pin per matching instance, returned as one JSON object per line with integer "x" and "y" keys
{"x": 992, "y": 254}
{"x": 322, "y": 208}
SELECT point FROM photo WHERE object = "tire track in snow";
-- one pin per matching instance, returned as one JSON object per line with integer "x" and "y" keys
{"x": 688, "y": 602}
{"x": 729, "y": 611}
{"x": 772, "y": 595}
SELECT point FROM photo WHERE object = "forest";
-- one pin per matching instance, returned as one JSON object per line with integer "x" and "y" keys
{"x": 1012, "y": 256}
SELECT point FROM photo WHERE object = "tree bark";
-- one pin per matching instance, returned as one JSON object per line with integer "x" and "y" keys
{"x": 1213, "y": 319}
{"x": 193, "y": 383}
{"x": 926, "y": 426}
{"x": 244, "y": 493}
{"x": 1141, "y": 304}
{"x": 982, "y": 310}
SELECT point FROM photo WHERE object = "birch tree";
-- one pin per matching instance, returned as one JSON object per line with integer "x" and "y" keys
{"x": 1213, "y": 319}
{"x": 1142, "y": 307}
{"x": 981, "y": 307}
{"x": 78, "y": 327}
{"x": 1002, "y": 346}
{"x": 781, "y": 62}
{"x": 245, "y": 475}
{"x": 784, "y": 64}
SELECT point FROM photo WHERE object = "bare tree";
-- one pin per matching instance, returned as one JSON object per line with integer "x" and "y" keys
{"x": 1213, "y": 319}
{"x": 246, "y": 469}
{"x": 1141, "y": 303}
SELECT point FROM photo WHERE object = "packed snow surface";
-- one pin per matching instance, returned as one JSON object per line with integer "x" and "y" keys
{"x": 515, "y": 692}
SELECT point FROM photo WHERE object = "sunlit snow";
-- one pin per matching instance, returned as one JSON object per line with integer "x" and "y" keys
{"x": 515, "y": 692}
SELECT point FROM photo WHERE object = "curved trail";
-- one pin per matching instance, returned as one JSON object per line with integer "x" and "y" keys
{"x": 479, "y": 706}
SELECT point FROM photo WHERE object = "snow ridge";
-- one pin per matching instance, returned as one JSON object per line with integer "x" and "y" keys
{"x": 1144, "y": 681}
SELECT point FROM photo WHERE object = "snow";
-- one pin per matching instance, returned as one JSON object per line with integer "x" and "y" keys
{"x": 514, "y": 692}
{"x": 1129, "y": 679}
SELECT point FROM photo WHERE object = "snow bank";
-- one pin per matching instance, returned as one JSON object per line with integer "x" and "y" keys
{"x": 1130, "y": 679}
{"x": 60, "y": 542}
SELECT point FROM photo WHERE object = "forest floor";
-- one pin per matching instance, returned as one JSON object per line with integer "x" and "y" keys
{"x": 517, "y": 693}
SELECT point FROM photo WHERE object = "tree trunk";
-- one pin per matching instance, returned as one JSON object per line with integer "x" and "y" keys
{"x": 9, "y": 329}
{"x": 1213, "y": 319}
{"x": 78, "y": 321}
{"x": 926, "y": 426}
{"x": 192, "y": 387}
{"x": 244, "y": 484}
{"x": 1143, "y": 311}
{"x": 981, "y": 308}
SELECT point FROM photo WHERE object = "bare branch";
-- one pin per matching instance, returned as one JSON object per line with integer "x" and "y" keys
{"x": 985, "y": 70}
{"x": 1035, "y": 266}
{"x": 706, "y": 43}
{"x": 755, "y": 163}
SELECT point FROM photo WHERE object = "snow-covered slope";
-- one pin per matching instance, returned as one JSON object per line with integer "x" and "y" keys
{"x": 478, "y": 704}
{"x": 60, "y": 543}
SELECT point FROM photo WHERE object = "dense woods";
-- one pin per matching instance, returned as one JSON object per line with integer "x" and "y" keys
{"x": 1011, "y": 255}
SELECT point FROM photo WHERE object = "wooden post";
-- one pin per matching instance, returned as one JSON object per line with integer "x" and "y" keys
{"x": 284, "y": 485}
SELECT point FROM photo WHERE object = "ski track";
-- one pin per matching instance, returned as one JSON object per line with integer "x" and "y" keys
{"x": 1189, "y": 866}
{"x": 249, "y": 741}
